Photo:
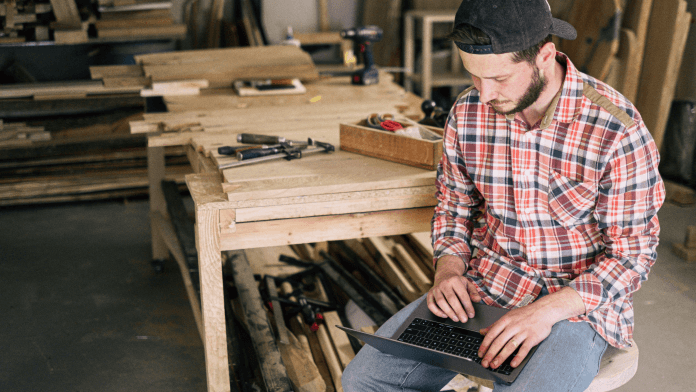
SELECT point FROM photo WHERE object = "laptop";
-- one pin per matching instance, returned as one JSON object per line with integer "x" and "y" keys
{"x": 440, "y": 342}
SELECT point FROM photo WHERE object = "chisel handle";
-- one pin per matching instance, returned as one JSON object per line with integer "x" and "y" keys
{"x": 233, "y": 150}
{"x": 257, "y": 152}
{"x": 250, "y": 138}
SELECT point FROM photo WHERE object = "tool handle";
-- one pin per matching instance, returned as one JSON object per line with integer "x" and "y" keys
{"x": 257, "y": 152}
{"x": 250, "y": 138}
{"x": 233, "y": 150}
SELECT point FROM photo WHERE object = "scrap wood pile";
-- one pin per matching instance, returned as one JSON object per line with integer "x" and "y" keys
{"x": 62, "y": 160}
{"x": 72, "y": 22}
{"x": 303, "y": 291}
{"x": 636, "y": 46}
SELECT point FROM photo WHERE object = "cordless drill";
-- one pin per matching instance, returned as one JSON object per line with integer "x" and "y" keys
{"x": 365, "y": 36}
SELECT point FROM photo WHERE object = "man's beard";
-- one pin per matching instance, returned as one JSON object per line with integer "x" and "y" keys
{"x": 530, "y": 96}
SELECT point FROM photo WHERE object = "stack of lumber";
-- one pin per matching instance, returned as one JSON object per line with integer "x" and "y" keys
{"x": 18, "y": 17}
{"x": 144, "y": 19}
{"x": 315, "y": 360}
{"x": 221, "y": 67}
{"x": 114, "y": 20}
{"x": 79, "y": 162}
{"x": 64, "y": 90}
{"x": 635, "y": 46}
{"x": 18, "y": 133}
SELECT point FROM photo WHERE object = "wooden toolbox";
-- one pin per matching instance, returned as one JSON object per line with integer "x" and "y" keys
{"x": 361, "y": 139}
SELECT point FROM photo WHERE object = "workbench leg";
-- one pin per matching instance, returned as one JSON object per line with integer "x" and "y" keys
{"x": 155, "y": 174}
{"x": 212, "y": 298}
{"x": 427, "y": 67}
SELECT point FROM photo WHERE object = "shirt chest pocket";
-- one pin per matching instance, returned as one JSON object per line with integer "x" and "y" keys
{"x": 571, "y": 203}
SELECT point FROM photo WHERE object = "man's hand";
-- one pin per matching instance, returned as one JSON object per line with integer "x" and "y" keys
{"x": 527, "y": 326}
{"x": 451, "y": 294}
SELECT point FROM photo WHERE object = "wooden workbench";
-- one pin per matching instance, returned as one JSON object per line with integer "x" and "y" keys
{"x": 320, "y": 197}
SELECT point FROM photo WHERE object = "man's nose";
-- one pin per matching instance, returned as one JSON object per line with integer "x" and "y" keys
{"x": 487, "y": 90}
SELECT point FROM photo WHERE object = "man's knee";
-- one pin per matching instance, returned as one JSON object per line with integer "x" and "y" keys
{"x": 353, "y": 378}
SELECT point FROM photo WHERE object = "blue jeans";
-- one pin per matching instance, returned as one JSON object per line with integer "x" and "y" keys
{"x": 567, "y": 360}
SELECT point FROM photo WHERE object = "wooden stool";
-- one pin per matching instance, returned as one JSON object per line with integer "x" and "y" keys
{"x": 617, "y": 367}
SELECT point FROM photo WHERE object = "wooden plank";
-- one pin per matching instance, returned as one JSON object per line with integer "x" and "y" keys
{"x": 61, "y": 88}
{"x": 666, "y": 37}
{"x": 344, "y": 350}
{"x": 326, "y": 228}
{"x": 130, "y": 22}
{"x": 334, "y": 207}
{"x": 272, "y": 368}
{"x": 300, "y": 367}
{"x": 619, "y": 75}
{"x": 298, "y": 325}
{"x": 158, "y": 31}
{"x": 636, "y": 17}
{"x": 597, "y": 23}
{"x": 223, "y": 66}
{"x": 322, "y": 174}
{"x": 76, "y": 36}
{"x": 412, "y": 269}
{"x": 66, "y": 13}
{"x": 392, "y": 272}
{"x": 112, "y": 71}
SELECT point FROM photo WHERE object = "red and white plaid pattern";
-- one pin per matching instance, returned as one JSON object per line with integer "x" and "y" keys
{"x": 573, "y": 204}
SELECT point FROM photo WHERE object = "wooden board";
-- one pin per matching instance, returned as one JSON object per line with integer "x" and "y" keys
{"x": 159, "y": 31}
{"x": 61, "y": 88}
{"x": 666, "y": 38}
{"x": 597, "y": 23}
{"x": 619, "y": 76}
{"x": 223, "y": 66}
{"x": 321, "y": 174}
{"x": 66, "y": 13}
{"x": 636, "y": 17}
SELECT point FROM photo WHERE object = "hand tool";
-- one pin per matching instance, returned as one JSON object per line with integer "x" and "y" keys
{"x": 251, "y": 138}
{"x": 282, "y": 148}
{"x": 434, "y": 115}
{"x": 365, "y": 36}
{"x": 258, "y": 142}
{"x": 322, "y": 147}
{"x": 232, "y": 150}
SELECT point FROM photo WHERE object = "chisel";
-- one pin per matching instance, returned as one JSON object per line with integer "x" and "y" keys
{"x": 251, "y": 138}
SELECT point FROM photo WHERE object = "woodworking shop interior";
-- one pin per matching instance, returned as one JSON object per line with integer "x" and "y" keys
{"x": 194, "y": 193}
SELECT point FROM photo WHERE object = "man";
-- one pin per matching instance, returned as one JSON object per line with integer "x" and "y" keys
{"x": 548, "y": 195}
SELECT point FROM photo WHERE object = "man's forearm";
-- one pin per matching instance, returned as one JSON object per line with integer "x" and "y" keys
{"x": 561, "y": 305}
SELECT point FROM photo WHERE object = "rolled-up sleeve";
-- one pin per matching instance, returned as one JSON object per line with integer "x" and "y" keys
{"x": 630, "y": 194}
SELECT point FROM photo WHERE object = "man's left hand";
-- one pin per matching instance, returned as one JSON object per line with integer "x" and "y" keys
{"x": 527, "y": 326}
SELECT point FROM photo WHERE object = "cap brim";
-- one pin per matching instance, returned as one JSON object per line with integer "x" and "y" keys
{"x": 563, "y": 29}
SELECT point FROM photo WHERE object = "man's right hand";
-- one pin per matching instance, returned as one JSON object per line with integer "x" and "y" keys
{"x": 451, "y": 294}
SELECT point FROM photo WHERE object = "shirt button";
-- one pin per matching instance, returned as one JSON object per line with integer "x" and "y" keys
{"x": 532, "y": 248}
{"x": 529, "y": 211}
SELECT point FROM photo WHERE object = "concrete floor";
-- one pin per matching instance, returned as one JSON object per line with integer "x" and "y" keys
{"x": 82, "y": 310}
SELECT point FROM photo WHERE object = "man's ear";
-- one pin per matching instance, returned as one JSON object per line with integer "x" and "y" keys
{"x": 546, "y": 56}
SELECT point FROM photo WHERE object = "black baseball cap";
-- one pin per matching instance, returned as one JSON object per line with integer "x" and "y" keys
{"x": 512, "y": 25}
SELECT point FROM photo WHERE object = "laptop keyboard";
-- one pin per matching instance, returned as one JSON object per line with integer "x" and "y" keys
{"x": 450, "y": 340}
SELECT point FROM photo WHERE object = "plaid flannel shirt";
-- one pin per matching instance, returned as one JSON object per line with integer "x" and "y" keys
{"x": 571, "y": 201}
